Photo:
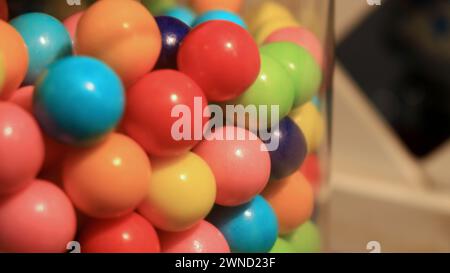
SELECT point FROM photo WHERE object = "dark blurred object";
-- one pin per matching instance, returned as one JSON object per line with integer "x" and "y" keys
{"x": 60, "y": 9}
{"x": 400, "y": 56}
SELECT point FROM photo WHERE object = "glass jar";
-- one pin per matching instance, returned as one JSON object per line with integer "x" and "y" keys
{"x": 259, "y": 73}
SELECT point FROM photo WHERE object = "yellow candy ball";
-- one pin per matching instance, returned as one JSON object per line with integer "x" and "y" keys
{"x": 312, "y": 124}
{"x": 181, "y": 192}
{"x": 272, "y": 25}
{"x": 267, "y": 11}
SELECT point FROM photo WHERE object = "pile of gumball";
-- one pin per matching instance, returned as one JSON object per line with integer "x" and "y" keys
{"x": 87, "y": 151}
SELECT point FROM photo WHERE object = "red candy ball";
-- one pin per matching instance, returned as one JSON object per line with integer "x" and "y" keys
{"x": 149, "y": 119}
{"x": 128, "y": 234}
{"x": 241, "y": 167}
{"x": 21, "y": 148}
{"x": 221, "y": 57}
{"x": 40, "y": 218}
{"x": 202, "y": 238}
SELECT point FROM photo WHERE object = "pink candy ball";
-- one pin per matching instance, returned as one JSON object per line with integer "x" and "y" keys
{"x": 21, "y": 148}
{"x": 202, "y": 238}
{"x": 241, "y": 167}
{"x": 40, "y": 218}
{"x": 71, "y": 24}
{"x": 300, "y": 36}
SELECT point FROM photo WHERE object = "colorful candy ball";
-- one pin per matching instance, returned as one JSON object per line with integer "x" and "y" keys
{"x": 173, "y": 32}
{"x": 180, "y": 194}
{"x": 47, "y": 41}
{"x": 220, "y": 15}
{"x": 300, "y": 36}
{"x": 21, "y": 148}
{"x": 309, "y": 119}
{"x": 202, "y": 6}
{"x": 301, "y": 66}
{"x": 202, "y": 238}
{"x": 38, "y": 219}
{"x": 108, "y": 180}
{"x": 71, "y": 24}
{"x": 158, "y": 7}
{"x": 249, "y": 228}
{"x": 90, "y": 106}
{"x": 121, "y": 33}
{"x": 282, "y": 246}
{"x": 127, "y": 234}
{"x": 292, "y": 199}
{"x": 221, "y": 57}
{"x": 267, "y": 11}
{"x": 272, "y": 88}
{"x": 305, "y": 239}
{"x": 15, "y": 59}
{"x": 183, "y": 14}
{"x": 311, "y": 170}
{"x": 269, "y": 27}
{"x": 234, "y": 161}
{"x": 157, "y": 107}
{"x": 291, "y": 150}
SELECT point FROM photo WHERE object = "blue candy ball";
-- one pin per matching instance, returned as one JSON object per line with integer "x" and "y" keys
{"x": 291, "y": 151}
{"x": 183, "y": 14}
{"x": 78, "y": 100}
{"x": 47, "y": 41}
{"x": 173, "y": 32}
{"x": 220, "y": 15}
{"x": 249, "y": 228}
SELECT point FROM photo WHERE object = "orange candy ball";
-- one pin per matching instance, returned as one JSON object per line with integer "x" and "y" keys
{"x": 15, "y": 59}
{"x": 202, "y": 6}
{"x": 292, "y": 199}
{"x": 109, "y": 180}
{"x": 123, "y": 34}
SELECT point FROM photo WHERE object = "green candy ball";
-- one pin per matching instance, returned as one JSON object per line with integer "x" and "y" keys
{"x": 159, "y": 7}
{"x": 303, "y": 69}
{"x": 305, "y": 239}
{"x": 273, "y": 87}
{"x": 282, "y": 246}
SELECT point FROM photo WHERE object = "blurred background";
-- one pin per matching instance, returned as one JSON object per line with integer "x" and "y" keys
{"x": 390, "y": 175}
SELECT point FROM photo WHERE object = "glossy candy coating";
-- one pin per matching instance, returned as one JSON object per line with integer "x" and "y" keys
{"x": 219, "y": 15}
{"x": 109, "y": 179}
{"x": 173, "y": 31}
{"x": 38, "y": 219}
{"x": 47, "y": 41}
{"x": 90, "y": 106}
{"x": 15, "y": 59}
{"x": 127, "y": 37}
{"x": 292, "y": 199}
{"x": 312, "y": 124}
{"x": 301, "y": 66}
{"x": 202, "y": 238}
{"x": 221, "y": 57}
{"x": 291, "y": 151}
{"x": 273, "y": 87}
{"x": 233, "y": 162}
{"x": 305, "y": 239}
{"x": 300, "y": 36}
{"x": 180, "y": 194}
{"x": 249, "y": 228}
{"x": 183, "y": 14}
{"x": 267, "y": 11}
{"x": 269, "y": 27}
{"x": 202, "y": 6}
{"x": 150, "y": 103}
{"x": 128, "y": 234}
{"x": 21, "y": 148}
